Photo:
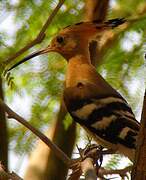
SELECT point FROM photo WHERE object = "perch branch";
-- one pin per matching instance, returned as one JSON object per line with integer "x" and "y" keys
{"x": 87, "y": 163}
{"x": 40, "y": 36}
{"x": 58, "y": 152}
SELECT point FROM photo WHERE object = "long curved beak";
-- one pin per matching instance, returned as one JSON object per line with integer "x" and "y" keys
{"x": 37, "y": 53}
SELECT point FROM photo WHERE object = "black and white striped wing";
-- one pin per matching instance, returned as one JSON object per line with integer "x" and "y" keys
{"x": 110, "y": 118}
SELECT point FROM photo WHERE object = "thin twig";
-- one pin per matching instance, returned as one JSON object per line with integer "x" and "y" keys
{"x": 122, "y": 172}
{"x": 50, "y": 18}
{"x": 58, "y": 152}
{"x": 40, "y": 36}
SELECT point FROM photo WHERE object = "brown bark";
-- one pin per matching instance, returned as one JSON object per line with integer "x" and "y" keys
{"x": 3, "y": 133}
{"x": 139, "y": 170}
{"x": 95, "y": 10}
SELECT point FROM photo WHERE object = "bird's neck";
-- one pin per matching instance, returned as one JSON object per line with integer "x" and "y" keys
{"x": 78, "y": 69}
{"x": 79, "y": 59}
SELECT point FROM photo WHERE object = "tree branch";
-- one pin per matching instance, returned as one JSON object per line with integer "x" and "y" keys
{"x": 58, "y": 152}
{"x": 40, "y": 36}
{"x": 87, "y": 163}
{"x": 3, "y": 132}
{"x": 4, "y": 175}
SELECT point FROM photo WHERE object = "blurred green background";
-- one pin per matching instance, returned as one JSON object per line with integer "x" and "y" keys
{"x": 39, "y": 82}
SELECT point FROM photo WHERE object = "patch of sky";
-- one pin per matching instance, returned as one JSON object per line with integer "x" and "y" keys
{"x": 130, "y": 40}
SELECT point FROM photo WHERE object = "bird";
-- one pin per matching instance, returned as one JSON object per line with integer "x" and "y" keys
{"x": 90, "y": 99}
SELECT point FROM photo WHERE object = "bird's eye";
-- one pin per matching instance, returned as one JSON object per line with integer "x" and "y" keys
{"x": 60, "y": 39}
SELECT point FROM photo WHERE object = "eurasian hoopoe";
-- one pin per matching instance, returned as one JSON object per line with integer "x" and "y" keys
{"x": 90, "y": 100}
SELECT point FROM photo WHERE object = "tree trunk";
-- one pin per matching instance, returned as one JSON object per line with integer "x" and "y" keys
{"x": 139, "y": 170}
{"x": 96, "y": 10}
{"x": 3, "y": 133}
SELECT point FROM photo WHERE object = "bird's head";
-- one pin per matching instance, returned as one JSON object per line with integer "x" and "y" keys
{"x": 74, "y": 39}
{"x": 65, "y": 43}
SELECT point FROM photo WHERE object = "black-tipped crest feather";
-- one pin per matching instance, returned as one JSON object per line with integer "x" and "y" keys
{"x": 112, "y": 22}
{"x": 115, "y": 22}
